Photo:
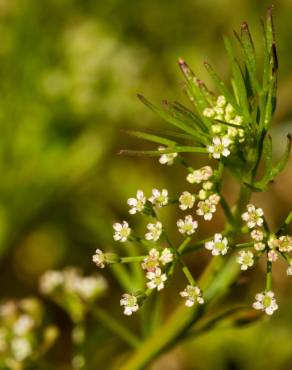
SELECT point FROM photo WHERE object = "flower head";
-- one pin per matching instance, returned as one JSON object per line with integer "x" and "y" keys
{"x": 186, "y": 200}
{"x": 156, "y": 278}
{"x": 154, "y": 231}
{"x": 122, "y": 231}
{"x": 159, "y": 198}
{"x": 218, "y": 246}
{"x": 166, "y": 158}
{"x": 151, "y": 262}
{"x": 99, "y": 258}
{"x": 266, "y": 302}
{"x": 50, "y": 281}
{"x": 166, "y": 256}
{"x": 137, "y": 204}
{"x": 272, "y": 255}
{"x": 245, "y": 259}
{"x": 285, "y": 243}
{"x": 192, "y": 294}
{"x": 206, "y": 208}
{"x": 259, "y": 246}
{"x": 257, "y": 235}
{"x": 197, "y": 176}
{"x": 220, "y": 147}
{"x": 187, "y": 226}
{"x": 130, "y": 303}
{"x": 253, "y": 216}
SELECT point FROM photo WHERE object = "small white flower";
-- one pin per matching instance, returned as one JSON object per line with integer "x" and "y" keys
{"x": 186, "y": 200}
{"x": 21, "y": 348}
{"x": 208, "y": 112}
{"x": 130, "y": 303}
{"x": 216, "y": 128}
{"x": 202, "y": 194}
{"x": 266, "y": 302}
{"x": 219, "y": 113}
{"x": 257, "y": 235}
{"x": 122, "y": 231}
{"x": 89, "y": 287}
{"x": 273, "y": 242}
{"x": 137, "y": 204}
{"x": 192, "y": 294}
{"x": 156, "y": 279}
{"x": 206, "y": 209}
{"x": 221, "y": 101}
{"x": 285, "y": 243}
{"x": 259, "y": 246}
{"x": 197, "y": 176}
{"x": 159, "y": 198}
{"x": 245, "y": 259}
{"x": 253, "y": 216}
{"x": 229, "y": 109}
{"x": 23, "y": 325}
{"x": 272, "y": 255}
{"x": 220, "y": 147}
{"x": 214, "y": 198}
{"x": 167, "y": 158}
{"x": 99, "y": 258}
{"x": 207, "y": 185}
{"x": 150, "y": 263}
{"x": 154, "y": 231}
{"x": 50, "y": 281}
{"x": 187, "y": 226}
{"x": 166, "y": 256}
{"x": 218, "y": 246}
{"x": 237, "y": 120}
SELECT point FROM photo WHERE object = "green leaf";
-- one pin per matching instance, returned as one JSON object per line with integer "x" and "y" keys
{"x": 249, "y": 56}
{"x": 155, "y": 153}
{"x": 221, "y": 86}
{"x": 283, "y": 161}
{"x": 238, "y": 81}
{"x": 150, "y": 137}
{"x": 171, "y": 119}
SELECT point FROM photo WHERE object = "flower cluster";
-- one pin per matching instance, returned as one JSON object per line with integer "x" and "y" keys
{"x": 22, "y": 332}
{"x": 224, "y": 127}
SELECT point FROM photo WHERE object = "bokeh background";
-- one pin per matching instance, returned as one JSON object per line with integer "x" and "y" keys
{"x": 69, "y": 74}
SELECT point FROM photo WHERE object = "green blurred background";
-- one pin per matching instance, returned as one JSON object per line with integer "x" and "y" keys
{"x": 69, "y": 74}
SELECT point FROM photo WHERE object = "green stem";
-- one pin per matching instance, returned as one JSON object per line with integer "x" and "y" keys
{"x": 132, "y": 259}
{"x": 116, "y": 327}
{"x": 269, "y": 276}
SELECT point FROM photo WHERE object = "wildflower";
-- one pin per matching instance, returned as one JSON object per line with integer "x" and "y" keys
{"x": 50, "y": 281}
{"x": 197, "y": 176}
{"x": 266, "y": 302}
{"x": 166, "y": 158}
{"x": 220, "y": 147}
{"x": 23, "y": 325}
{"x": 192, "y": 294}
{"x": 202, "y": 194}
{"x": 207, "y": 185}
{"x": 130, "y": 303}
{"x": 137, "y": 204}
{"x": 245, "y": 259}
{"x": 259, "y": 246}
{"x": 122, "y": 231}
{"x": 150, "y": 263}
{"x": 219, "y": 113}
{"x": 216, "y": 128}
{"x": 229, "y": 109}
{"x": 257, "y": 235}
{"x": 272, "y": 255}
{"x": 214, "y": 198}
{"x": 166, "y": 256}
{"x": 21, "y": 348}
{"x": 88, "y": 287}
{"x": 285, "y": 243}
{"x": 273, "y": 242}
{"x": 159, "y": 198}
{"x": 208, "y": 112}
{"x": 253, "y": 216}
{"x": 186, "y": 200}
{"x": 221, "y": 101}
{"x": 218, "y": 246}
{"x": 206, "y": 209}
{"x": 187, "y": 226}
{"x": 155, "y": 231}
{"x": 156, "y": 279}
{"x": 99, "y": 258}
